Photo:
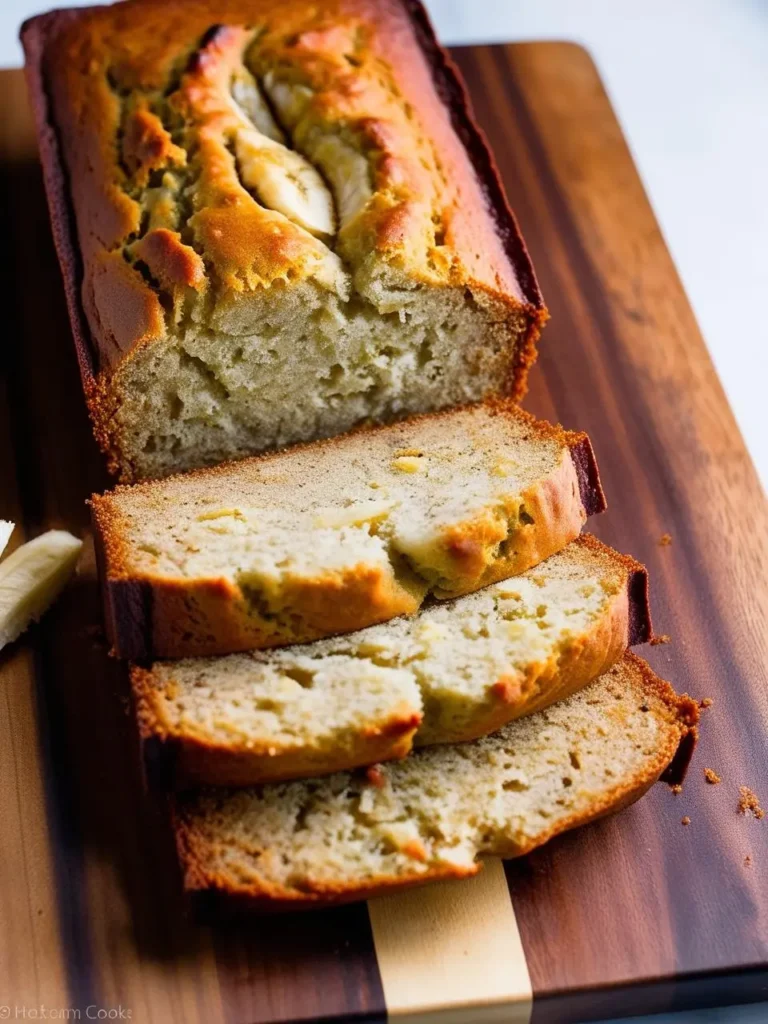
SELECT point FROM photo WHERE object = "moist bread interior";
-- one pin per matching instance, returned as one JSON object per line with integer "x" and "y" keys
{"x": 277, "y": 244}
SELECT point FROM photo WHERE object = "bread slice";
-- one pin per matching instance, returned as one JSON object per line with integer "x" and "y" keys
{"x": 455, "y": 671}
{"x": 338, "y": 535}
{"x": 430, "y": 816}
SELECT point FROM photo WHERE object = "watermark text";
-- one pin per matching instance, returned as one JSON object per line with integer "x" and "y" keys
{"x": 42, "y": 1012}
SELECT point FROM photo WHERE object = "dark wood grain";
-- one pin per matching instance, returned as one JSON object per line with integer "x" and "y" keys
{"x": 640, "y": 901}
{"x": 633, "y": 914}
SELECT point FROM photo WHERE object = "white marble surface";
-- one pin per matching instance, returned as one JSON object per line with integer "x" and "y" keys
{"x": 689, "y": 81}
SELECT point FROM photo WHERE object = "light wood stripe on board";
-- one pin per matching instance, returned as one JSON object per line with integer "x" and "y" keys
{"x": 451, "y": 952}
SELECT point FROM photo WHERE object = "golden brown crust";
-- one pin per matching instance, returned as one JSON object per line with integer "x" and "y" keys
{"x": 209, "y": 617}
{"x": 197, "y": 854}
{"x": 369, "y": 70}
{"x": 133, "y": 93}
{"x": 157, "y": 617}
{"x": 195, "y": 760}
{"x": 176, "y": 760}
{"x": 555, "y": 508}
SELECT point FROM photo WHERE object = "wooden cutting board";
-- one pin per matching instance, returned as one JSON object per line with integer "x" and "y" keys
{"x": 634, "y": 914}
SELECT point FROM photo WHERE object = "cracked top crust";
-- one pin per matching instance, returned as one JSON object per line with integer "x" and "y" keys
{"x": 215, "y": 150}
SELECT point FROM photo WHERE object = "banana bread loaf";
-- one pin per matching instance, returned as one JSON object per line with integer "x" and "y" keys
{"x": 274, "y": 220}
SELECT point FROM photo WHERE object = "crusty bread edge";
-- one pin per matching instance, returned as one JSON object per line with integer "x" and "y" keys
{"x": 178, "y": 761}
{"x": 213, "y": 894}
{"x": 451, "y": 89}
{"x": 140, "y": 627}
{"x": 34, "y": 35}
{"x": 640, "y": 630}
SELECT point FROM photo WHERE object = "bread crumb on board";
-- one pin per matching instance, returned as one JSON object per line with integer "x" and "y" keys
{"x": 749, "y": 803}
{"x": 706, "y": 703}
{"x": 677, "y": 788}
{"x": 711, "y": 776}
{"x": 662, "y": 638}
{"x": 686, "y": 820}
{"x": 665, "y": 540}
{"x": 748, "y": 861}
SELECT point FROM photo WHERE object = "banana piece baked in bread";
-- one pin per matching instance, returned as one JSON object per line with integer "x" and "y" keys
{"x": 274, "y": 220}
{"x": 453, "y": 672}
{"x": 338, "y": 535}
{"x": 352, "y": 835}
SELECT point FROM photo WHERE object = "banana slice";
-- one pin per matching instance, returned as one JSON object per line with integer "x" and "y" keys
{"x": 344, "y": 167}
{"x": 347, "y": 170}
{"x": 6, "y": 529}
{"x": 290, "y": 99}
{"x": 282, "y": 178}
{"x": 32, "y": 577}
{"x": 284, "y": 181}
{"x": 248, "y": 97}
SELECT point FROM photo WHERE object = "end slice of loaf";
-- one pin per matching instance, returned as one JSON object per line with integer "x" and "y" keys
{"x": 455, "y": 671}
{"x": 335, "y": 536}
{"x": 431, "y": 816}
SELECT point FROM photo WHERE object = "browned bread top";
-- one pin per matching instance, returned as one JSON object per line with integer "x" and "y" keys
{"x": 275, "y": 222}
{"x": 159, "y": 106}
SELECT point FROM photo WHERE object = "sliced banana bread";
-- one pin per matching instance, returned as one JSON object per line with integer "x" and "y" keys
{"x": 455, "y": 671}
{"x": 338, "y": 535}
{"x": 431, "y": 815}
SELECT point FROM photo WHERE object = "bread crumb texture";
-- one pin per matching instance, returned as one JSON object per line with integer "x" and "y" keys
{"x": 441, "y": 808}
{"x": 665, "y": 540}
{"x": 662, "y": 638}
{"x": 455, "y": 671}
{"x": 749, "y": 803}
{"x": 676, "y": 788}
{"x": 707, "y": 702}
{"x": 711, "y": 776}
{"x": 329, "y": 537}
{"x": 686, "y": 820}
{"x": 281, "y": 233}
